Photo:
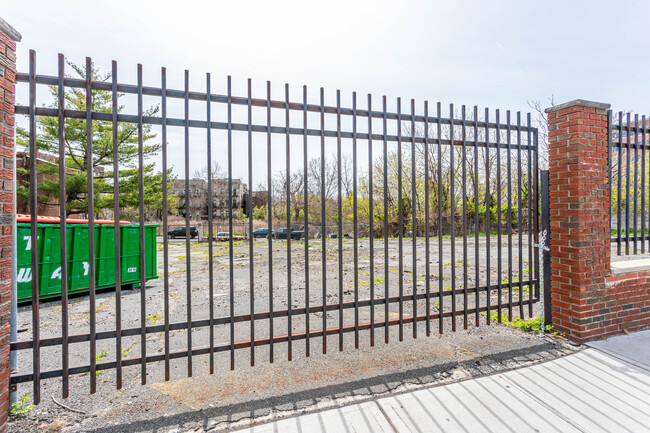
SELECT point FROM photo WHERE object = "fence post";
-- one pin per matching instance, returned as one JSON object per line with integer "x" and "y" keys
{"x": 546, "y": 225}
{"x": 579, "y": 217}
{"x": 8, "y": 38}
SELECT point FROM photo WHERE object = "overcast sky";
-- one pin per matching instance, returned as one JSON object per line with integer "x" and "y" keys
{"x": 499, "y": 54}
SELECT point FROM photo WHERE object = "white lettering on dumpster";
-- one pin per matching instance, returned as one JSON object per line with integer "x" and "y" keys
{"x": 29, "y": 242}
{"x": 24, "y": 275}
{"x": 56, "y": 274}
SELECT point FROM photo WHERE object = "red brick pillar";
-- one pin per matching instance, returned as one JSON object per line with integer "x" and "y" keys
{"x": 579, "y": 214}
{"x": 8, "y": 38}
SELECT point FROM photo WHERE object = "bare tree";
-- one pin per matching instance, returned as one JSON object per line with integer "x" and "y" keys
{"x": 217, "y": 172}
{"x": 540, "y": 121}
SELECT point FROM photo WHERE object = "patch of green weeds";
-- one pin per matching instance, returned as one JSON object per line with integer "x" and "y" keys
{"x": 101, "y": 356}
{"x": 153, "y": 318}
{"x": 531, "y": 325}
{"x": 22, "y": 406}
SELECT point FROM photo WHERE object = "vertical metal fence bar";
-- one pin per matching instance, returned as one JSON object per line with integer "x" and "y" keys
{"x": 269, "y": 183}
{"x": 143, "y": 295}
{"x": 427, "y": 249}
{"x": 400, "y": 219}
{"x": 509, "y": 176}
{"x": 619, "y": 191}
{"x": 251, "y": 239}
{"x": 116, "y": 226}
{"x": 339, "y": 162}
{"x": 63, "y": 213}
{"x": 163, "y": 103}
{"x": 305, "y": 194}
{"x": 231, "y": 251}
{"x": 355, "y": 219}
{"x": 464, "y": 171}
{"x": 609, "y": 169}
{"x": 289, "y": 227}
{"x": 477, "y": 268}
{"x": 386, "y": 269}
{"x": 536, "y": 203}
{"x": 498, "y": 206}
{"x": 643, "y": 235}
{"x": 488, "y": 269}
{"x": 33, "y": 207}
{"x": 371, "y": 217}
{"x": 91, "y": 225}
{"x": 530, "y": 215}
{"x": 188, "y": 261}
{"x": 519, "y": 225}
{"x": 636, "y": 179}
{"x": 208, "y": 143}
{"x": 440, "y": 268}
{"x": 322, "y": 218}
{"x": 414, "y": 226}
{"x": 546, "y": 258}
{"x": 452, "y": 215}
{"x": 627, "y": 187}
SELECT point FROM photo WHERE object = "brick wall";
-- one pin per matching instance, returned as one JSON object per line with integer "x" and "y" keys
{"x": 587, "y": 302}
{"x": 8, "y": 39}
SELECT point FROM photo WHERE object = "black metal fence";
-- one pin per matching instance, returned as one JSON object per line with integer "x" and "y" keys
{"x": 419, "y": 169}
{"x": 629, "y": 192}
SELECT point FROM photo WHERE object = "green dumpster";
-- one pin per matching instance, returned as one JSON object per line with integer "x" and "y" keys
{"x": 49, "y": 256}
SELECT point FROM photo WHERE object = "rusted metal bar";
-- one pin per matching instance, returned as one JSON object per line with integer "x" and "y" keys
{"x": 188, "y": 261}
{"x": 305, "y": 194}
{"x": 464, "y": 188}
{"x": 251, "y": 238}
{"x": 400, "y": 221}
{"x": 244, "y": 344}
{"x": 371, "y": 224}
{"x": 427, "y": 243}
{"x": 208, "y": 143}
{"x": 269, "y": 181}
{"x": 116, "y": 227}
{"x": 231, "y": 264}
{"x": 63, "y": 213}
{"x": 355, "y": 219}
{"x": 414, "y": 226}
{"x": 322, "y": 215}
{"x": 225, "y": 320}
{"x": 386, "y": 268}
{"x": 91, "y": 225}
{"x": 289, "y": 227}
{"x": 143, "y": 288}
{"x": 163, "y": 103}
{"x": 339, "y": 163}
{"x": 33, "y": 207}
{"x": 488, "y": 269}
{"x": 452, "y": 214}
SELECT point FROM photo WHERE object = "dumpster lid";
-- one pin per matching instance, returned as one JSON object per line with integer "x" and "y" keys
{"x": 22, "y": 218}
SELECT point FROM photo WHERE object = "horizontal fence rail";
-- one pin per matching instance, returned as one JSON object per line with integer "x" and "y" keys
{"x": 395, "y": 218}
{"x": 629, "y": 192}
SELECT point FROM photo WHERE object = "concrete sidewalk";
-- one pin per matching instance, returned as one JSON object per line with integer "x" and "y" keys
{"x": 604, "y": 388}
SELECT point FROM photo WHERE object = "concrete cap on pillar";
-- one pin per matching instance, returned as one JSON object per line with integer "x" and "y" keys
{"x": 9, "y": 31}
{"x": 578, "y": 103}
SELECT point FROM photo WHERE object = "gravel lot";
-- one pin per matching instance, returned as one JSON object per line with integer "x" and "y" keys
{"x": 227, "y": 399}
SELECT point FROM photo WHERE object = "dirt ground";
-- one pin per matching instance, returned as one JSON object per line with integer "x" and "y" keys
{"x": 230, "y": 398}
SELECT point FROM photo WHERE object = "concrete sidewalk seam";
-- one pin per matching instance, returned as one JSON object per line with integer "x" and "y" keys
{"x": 383, "y": 412}
{"x": 545, "y": 405}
